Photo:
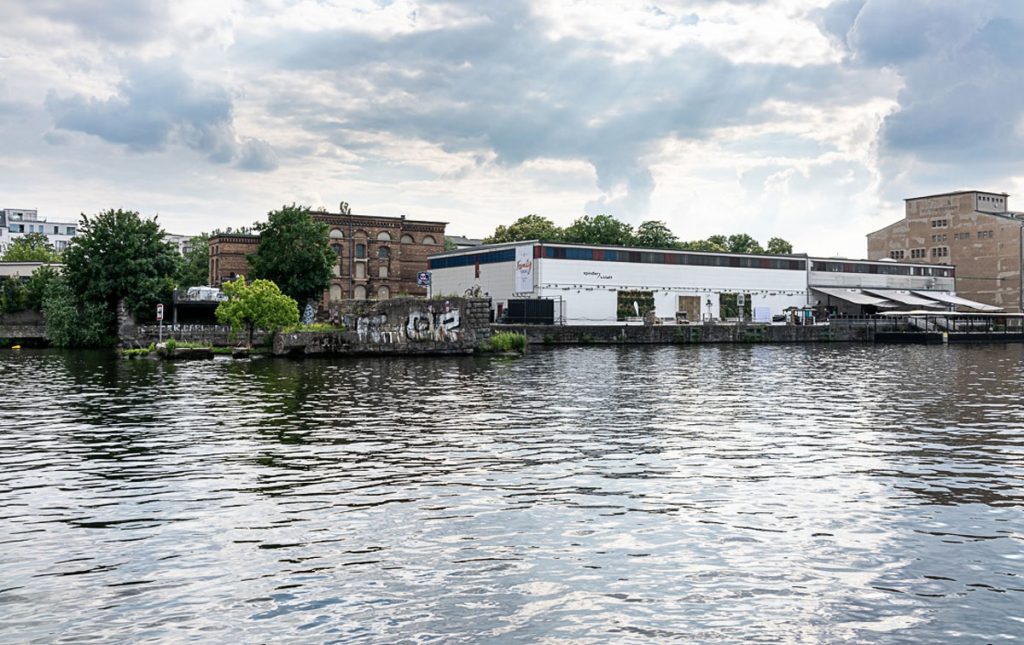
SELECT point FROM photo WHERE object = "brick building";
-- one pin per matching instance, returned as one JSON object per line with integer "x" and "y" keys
{"x": 973, "y": 230}
{"x": 378, "y": 257}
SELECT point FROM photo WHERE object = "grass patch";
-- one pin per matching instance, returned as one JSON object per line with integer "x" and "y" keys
{"x": 138, "y": 351}
{"x": 317, "y": 327}
{"x": 505, "y": 341}
{"x": 173, "y": 344}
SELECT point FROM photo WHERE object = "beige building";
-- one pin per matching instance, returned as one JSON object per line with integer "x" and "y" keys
{"x": 973, "y": 230}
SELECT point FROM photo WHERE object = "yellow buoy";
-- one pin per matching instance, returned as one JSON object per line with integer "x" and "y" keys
{"x": 15, "y": 346}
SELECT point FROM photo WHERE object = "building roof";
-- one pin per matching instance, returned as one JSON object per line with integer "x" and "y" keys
{"x": 506, "y": 245}
{"x": 956, "y": 192}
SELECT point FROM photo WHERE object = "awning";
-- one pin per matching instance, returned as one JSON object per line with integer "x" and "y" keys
{"x": 857, "y": 297}
{"x": 906, "y": 298}
{"x": 957, "y": 300}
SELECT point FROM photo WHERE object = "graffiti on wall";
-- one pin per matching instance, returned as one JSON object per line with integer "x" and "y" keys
{"x": 421, "y": 325}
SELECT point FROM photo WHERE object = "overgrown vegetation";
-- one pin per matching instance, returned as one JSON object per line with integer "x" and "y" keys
{"x": 606, "y": 229}
{"x": 506, "y": 342}
{"x": 138, "y": 352}
{"x": 314, "y": 327}
{"x": 31, "y": 247}
{"x": 294, "y": 253}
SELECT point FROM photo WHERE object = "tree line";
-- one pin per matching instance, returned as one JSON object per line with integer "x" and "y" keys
{"x": 120, "y": 258}
{"x": 605, "y": 229}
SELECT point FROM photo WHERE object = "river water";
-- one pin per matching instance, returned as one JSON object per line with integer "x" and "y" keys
{"x": 796, "y": 494}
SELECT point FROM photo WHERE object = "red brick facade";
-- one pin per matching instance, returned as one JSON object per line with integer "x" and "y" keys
{"x": 378, "y": 257}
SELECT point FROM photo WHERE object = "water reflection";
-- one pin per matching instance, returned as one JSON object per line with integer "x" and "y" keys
{"x": 701, "y": 493}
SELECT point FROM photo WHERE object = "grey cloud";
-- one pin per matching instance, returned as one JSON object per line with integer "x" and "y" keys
{"x": 257, "y": 156}
{"x": 500, "y": 83}
{"x": 963, "y": 97}
{"x": 156, "y": 104}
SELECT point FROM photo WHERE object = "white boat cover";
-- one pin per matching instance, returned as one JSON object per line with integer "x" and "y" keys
{"x": 957, "y": 300}
{"x": 856, "y": 296}
{"x": 907, "y": 298}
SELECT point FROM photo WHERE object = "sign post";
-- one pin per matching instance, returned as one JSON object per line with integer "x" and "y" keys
{"x": 160, "y": 319}
{"x": 423, "y": 280}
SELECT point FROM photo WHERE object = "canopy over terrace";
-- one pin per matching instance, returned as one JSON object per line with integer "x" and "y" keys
{"x": 857, "y": 297}
{"x": 952, "y": 299}
{"x": 907, "y": 298}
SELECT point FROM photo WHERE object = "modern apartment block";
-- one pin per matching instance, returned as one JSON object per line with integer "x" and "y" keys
{"x": 377, "y": 257}
{"x": 15, "y": 222}
{"x": 973, "y": 230}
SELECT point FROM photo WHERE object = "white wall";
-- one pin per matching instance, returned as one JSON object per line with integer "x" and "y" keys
{"x": 496, "y": 281}
{"x": 880, "y": 281}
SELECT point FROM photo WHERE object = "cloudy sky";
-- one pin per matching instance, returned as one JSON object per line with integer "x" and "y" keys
{"x": 806, "y": 119}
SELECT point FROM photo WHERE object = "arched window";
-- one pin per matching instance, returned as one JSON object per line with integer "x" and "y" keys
{"x": 336, "y": 234}
{"x": 383, "y": 236}
{"x": 360, "y": 251}
{"x": 359, "y": 293}
{"x": 337, "y": 248}
{"x": 429, "y": 240}
{"x": 335, "y": 292}
{"x": 383, "y": 253}
{"x": 407, "y": 239}
{"x": 383, "y": 293}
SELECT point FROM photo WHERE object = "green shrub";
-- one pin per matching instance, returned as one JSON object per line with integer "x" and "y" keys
{"x": 505, "y": 341}
{"x": 585, "y": 339}
{"x": 171, "y": 344}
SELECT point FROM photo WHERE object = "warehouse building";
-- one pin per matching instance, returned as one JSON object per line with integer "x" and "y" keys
{"x": 594, "y": 285}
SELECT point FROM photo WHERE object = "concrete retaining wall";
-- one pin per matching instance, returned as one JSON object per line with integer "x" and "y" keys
{"x": 396, "y": 326}
{"x": 216, "y": 335}
{"x": 684, "y": 334}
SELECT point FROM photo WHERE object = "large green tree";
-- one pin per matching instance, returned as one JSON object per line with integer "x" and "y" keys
{"x": 294, "y": 253}
{"x": 529, "y": 227}
{"x": 194, "y": 266}
{"x": 599, "y": 229}
{"x": 655, "y": 234}
{"x": 259, "y": 305}
{"x": 779, "y": 246}
{"x": 31, "y": 247}
{"x": 120, "y": 256}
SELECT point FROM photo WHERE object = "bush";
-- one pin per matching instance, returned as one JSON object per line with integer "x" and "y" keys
{"x": 505, "y": 341}
{"x": 68, "y": 325}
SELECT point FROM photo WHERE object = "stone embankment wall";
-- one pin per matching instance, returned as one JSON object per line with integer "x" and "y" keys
{"x": 216, "y": 335}
{"x": 396, "y": 326}
{"x": 685, "y": 334}
{"x": 22, "y": 326}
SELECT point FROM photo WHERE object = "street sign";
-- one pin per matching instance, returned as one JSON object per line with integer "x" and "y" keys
{"x": 741, "y": 299}
{"x": 160, "y": 312}
{"x": 423, "y": 278}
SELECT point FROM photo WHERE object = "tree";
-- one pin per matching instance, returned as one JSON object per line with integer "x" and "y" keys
{"x": 259, "y": 305}
{"x": 599, "y": 229}
{"x": 779, "y": 246}
{"x": 294, "y": 253}
{"x": 743, "y": 243}
{"x": 655, "y": 234}
{"x": 70, "y": 323}
{"x": 714, "y": 244}
{"x": 194, "y": 267}
{"x": 38, "y": 286}
{"x": 529, "y": 227}
{"x": 120, "y": 256}
{"x": 31, "y": 247}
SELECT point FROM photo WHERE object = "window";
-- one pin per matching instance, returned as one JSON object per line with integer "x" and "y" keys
{"x": 407, "y": 239}
{"x": 896, "y": 255}
{"x": 984, "y": 235}
{"x": 336, "y": 234}
{"x": 940, "y": 223}
{"x": 360, "y": 269}
{"x": 382, "y": 271}
{"x": 428, "y": 240}
{"x": 359, "y": 293}
{"x": 383, "y": 293}
{"x": 383, "y": 236}
{"x": 384, "y": 253}
{"x": 360, "y": 251}
{"x": 917, "y": 254}
{"x": 71, "y": 230}
{"x": 335, "y": 293}
{"x": 940, "y": 252}
{"x": 961, "y": 236}
{"x": 938, "y": 238}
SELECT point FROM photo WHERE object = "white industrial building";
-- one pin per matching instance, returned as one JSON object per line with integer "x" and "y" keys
{"x": 590, "y": 284}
